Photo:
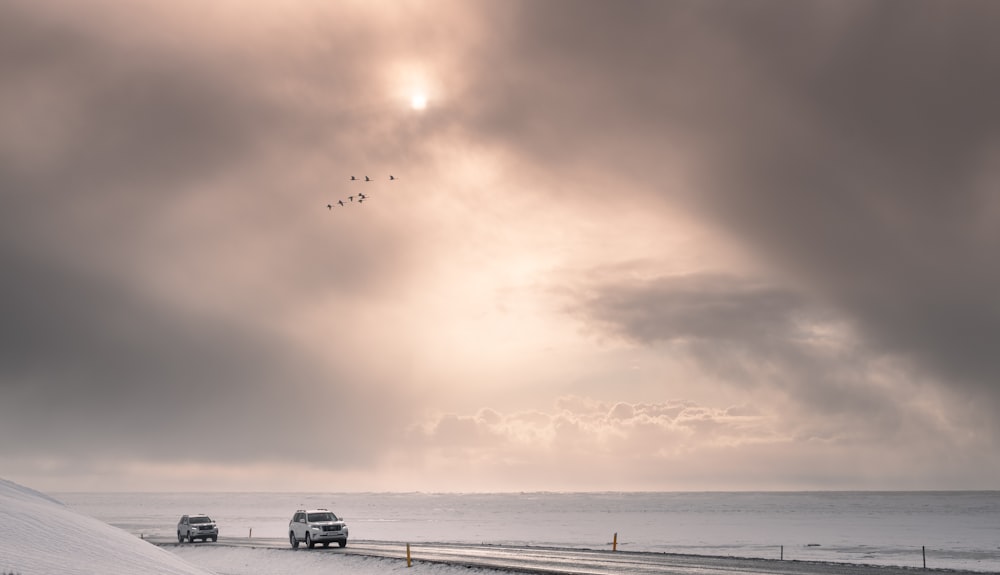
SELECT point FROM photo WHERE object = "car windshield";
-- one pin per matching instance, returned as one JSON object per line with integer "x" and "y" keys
{"x": 201, "y": 520}
{"x": 324, "y": 516}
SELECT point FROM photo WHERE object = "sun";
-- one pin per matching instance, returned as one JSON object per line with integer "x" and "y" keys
{"x": 418, "y": 101}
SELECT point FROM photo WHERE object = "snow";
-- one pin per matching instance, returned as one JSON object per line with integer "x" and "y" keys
{"x": 240, "y": 561}
{"x": 40, "y": 535}
{"x": 959, "y": 529}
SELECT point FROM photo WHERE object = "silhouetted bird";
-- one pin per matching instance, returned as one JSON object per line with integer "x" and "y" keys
{"x": 350, "y": 198}
{"x": 341, "y": 202}
{"x": 329, "y": 206}
{"x": 392, "y": 177}
{"x": 362, "y": 196}
{"x": 353, "y": 179}
{"x": 367, "y": 179}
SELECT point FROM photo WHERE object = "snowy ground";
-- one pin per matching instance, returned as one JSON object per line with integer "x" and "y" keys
{"x": 958, "y": 529}
{"x": 41, "y": 536}
{"x": 238, "y": 561}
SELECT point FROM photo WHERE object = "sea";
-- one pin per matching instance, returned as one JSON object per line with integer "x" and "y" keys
{"x": 939, "y": 529}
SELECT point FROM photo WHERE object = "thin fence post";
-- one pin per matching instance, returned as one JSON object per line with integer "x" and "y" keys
{"x": 614, "y": 543}
{"x": 409, "y": 563}
{"x": 923, "y": 551}
{"x": 250, "y": 535}
{"x": 782, "y": 552}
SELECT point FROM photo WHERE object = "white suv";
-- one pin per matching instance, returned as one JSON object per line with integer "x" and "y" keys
{"x": 194, "y": 527}
{"x": 316, "y": 526}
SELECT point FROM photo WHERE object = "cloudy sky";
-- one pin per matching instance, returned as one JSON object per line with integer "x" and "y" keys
{"x": 632, "y": 245}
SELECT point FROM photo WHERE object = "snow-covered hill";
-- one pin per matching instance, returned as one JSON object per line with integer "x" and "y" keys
{"x": 41, "y": 535}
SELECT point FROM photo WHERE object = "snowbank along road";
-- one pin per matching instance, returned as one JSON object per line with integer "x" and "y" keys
{"x": 561, "y": 561}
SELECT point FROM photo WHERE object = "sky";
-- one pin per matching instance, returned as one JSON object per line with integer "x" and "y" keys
{"x": 667, "y": 245}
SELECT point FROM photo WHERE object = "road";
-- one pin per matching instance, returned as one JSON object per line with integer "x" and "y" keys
{"x": 563, "y": 561}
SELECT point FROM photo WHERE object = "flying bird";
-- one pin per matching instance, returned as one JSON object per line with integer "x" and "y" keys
{"x": 392, "y": 177}
{"x": 350, "y": 198}
{"x": 367, "y": 179}
{"x": 329, "y": 206}
{"x": 341, "y": 202}
{"x": 362, "y": 196}
{"x": 353, "y": 179}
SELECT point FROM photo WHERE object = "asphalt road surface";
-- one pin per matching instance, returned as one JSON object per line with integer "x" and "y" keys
{"x": 563, "y": 561}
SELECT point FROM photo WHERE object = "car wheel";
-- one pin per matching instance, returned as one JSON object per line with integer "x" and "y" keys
{"x": 343, "y": 543}
{"x": 293, "y": 540}
{"x": 180, "y": 538}
{"x": 190, "y": 538}
{"x": 309, "y": 541}
{"x": 215, "y": 538}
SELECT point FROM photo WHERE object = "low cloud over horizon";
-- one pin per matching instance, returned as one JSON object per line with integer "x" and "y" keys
{"x": 626, "y": 246}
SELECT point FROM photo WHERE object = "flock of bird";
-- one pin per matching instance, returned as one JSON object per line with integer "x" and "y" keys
{"x": 361, "y": 196}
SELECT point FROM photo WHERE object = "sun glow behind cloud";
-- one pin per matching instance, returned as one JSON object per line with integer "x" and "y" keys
{"x": 564, "y": 224}
{"x": 413, "y": 83}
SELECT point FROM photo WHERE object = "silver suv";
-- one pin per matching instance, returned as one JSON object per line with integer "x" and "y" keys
{"x": 314, "y": 526}
{"x": 193, "y": 527}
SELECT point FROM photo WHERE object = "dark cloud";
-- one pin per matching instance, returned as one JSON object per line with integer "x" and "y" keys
{"x": 876, "y": 206}
{"x": 98, "y": 114}
{"x": 91, "y": 367}
{"x": 155, "y": 163}
{"x": 753, "y": 336}
{"x": 695, "y": 307}
{"x": 846, "y": 145}
{"x": 127, "y": 159}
